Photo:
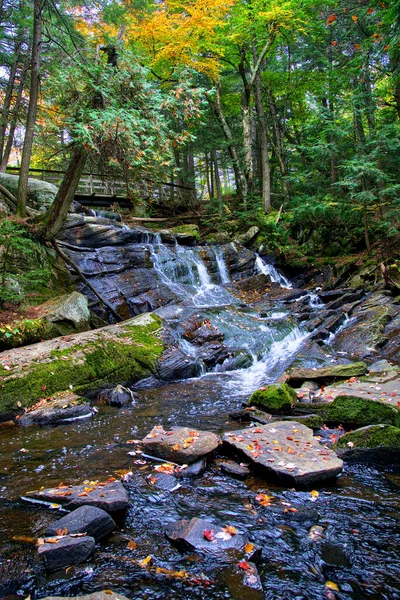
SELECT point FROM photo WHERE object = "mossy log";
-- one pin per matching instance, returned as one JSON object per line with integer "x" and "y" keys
{"x": 121, "y": 353}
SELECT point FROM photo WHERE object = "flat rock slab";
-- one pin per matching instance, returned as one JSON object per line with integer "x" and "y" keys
{"x": 385, "y": 388}
{"x": 65, "y": 551}
{"x": 103, "y": 595}
{"x": 182, "y": 445}
{"x": 286, "y": 449}
{"x": 58, "y": 409}
{"x": 205, "y": 536}
{"x": 109, "y": 496}
{"x": 91, "y": 520}
{"x": 326, "y": 374}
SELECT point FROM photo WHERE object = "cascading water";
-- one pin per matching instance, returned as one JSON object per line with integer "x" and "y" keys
{"x": 222, "y": 268}
{"x": 272, "y": 273}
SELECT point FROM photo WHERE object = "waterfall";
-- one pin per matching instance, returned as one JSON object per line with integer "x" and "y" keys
{"x": 272, "y": 273}
{"x": 222, "y": 268}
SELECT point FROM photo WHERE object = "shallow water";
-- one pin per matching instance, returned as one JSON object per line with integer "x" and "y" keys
{"x": 358, "y": 517}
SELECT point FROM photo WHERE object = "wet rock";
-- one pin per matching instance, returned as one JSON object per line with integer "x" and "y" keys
{"x": 205, "y": 536}
{"x": 195, "y": 469}
{"x": 72, "y": 308}
{"x": 239, "y": 471}
{"x": 67, "y": 551}
{"x": 110, "y": 496}
{"x": 243, "y": 581}
{"x": 325, "y": 374}
{"x": 103, "y": 595}
{"x": 180, "y": 445}
{"x": 365, "y": 334}
{"x": 91, "y": 520}
{"x": 313, "y": 421}
{"x": 58, "y": 409}
{"x": 287, "y": 450}
{"x": 94, "y": 232}
{"x": 174, "y": 364}
{"x": 201, "y": 331}
{"x": 346, "y": 297}
{"x": 305, "y": 515}
{"x": 381, "y": 367}
{"x": 276, "y": 399}
{"x": 163, "y": 481}
{"x": 118, "y": 396}
{"x": 374, "y": 442}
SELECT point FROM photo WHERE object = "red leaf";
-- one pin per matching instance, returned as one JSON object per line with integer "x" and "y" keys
{"x": 209, "y": 534}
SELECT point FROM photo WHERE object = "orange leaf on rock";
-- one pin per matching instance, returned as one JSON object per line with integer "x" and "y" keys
{"x": 230, "y": 529}
{"x": 176, "y": 447}
{"x": 132, "y": 545}
{"x": 249, "y": 547}
{"x": 209, "y": 534}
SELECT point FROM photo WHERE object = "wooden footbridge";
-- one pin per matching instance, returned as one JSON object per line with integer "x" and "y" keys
{"x": 102, "y": 192}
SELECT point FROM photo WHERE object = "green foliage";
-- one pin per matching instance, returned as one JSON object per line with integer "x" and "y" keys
{"x": 17, "y": 250}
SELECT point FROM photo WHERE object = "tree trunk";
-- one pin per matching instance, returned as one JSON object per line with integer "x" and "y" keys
{"x": 279, "y": 148}
{"x": 32, "y": 108}
{"x": 65, "y": 195}
{"x": 265, "y": 170}
{"x": 7, "y": 98}
{"x": 208, "y": 178}
{"x": 241, "y": 184}
{"x": 13, "y": 121}
{"x": 217, "y": 179}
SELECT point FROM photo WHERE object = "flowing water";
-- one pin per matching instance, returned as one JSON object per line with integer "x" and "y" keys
{"x": 350, "y": 535}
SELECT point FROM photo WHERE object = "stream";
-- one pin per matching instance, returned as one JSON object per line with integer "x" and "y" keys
{"x": 350, "y": 535}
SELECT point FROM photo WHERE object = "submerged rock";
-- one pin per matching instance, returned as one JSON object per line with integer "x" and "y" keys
{"x": 230, "y": 467}
{"x": 91, "y": 520}
{"x": 66, "y": 551}
{"x": 287, "y": 450}
{"x": 118, "y": 396}
{"x": 205, "y": 536}
{"x": 277, "y": 398}
{"x": 379, "y": 442}
{"x": 180, "y": 444}
{"x": 243, "y": 581}
{"x": 110, "y": 496}
{"x": 58, "y": 409}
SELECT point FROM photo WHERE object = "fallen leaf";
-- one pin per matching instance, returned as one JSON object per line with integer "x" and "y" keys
{"x": 146, "y": 561}
{"x": 132, "y": 545}
{"x": 314, "y": 495}
{"x": 331, "y": 585}
{"x": 209, "y": 534}
{"x": 230, "y": 529}
{"x": 176, "y": 447}
{"x": 249, "y": 547}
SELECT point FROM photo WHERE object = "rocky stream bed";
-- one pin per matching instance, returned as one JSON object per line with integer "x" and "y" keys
{"x": 202, "y": 447}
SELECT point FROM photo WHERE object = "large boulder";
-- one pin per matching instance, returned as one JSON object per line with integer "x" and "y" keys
{"x": 118, "y": 396}
{"x": 180, "y": 445}
{"x": 70, "y": 308}
{"x": 103, "y": 595}
{"x": 120, "y": 353}
{"x": 40, "y": 193}
{"x": 286, "y": 450}
{"x": 90, "y": 520}
{"x": 65, "y": 551}
{"x": 276, "y": 399}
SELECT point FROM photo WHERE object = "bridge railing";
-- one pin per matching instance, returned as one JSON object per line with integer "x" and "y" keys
{"x": 97, "y": 186}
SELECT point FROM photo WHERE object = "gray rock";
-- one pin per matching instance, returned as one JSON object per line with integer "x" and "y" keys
{"x": 103, "y": 595}
{"x": 247, "y": 237}
{"x": 381, "y": 367}
{"x": 181, "y": 445}
{"x": 91, "y": 520}
{"x": 40, "y": 193}
{"x": 174, "y": 364}
{"x": 192, "y": 535}
{"x": 67, "y": 551}
{"x": 287, "y": 450}
{"x": 70, "y": 307}
{"x": 118, "y": 396}
{"x": 110, "y": 496}
{"x": 58, "y": 409}
{"x": 234, "y": 469}
{"x": 326, "y": 374}
{"x": 195, "y": 469}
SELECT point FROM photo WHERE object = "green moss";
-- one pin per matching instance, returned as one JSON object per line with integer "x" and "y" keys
{"x": 373, "y": 436}
{"x": 126, "y": 357}
{"x": 189, "y": 229}
{"x": 276, "y": 399}
{"x": 352, "y": 410}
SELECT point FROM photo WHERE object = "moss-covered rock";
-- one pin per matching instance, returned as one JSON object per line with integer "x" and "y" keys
{"x": 372, "y": 436}
{"x": 325, "y": 374}
{"x": 355, "y": 411}
{"x": 119, "y": 353}
{"x": 277, "y": 398}
{"x": 374, "y": 442}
